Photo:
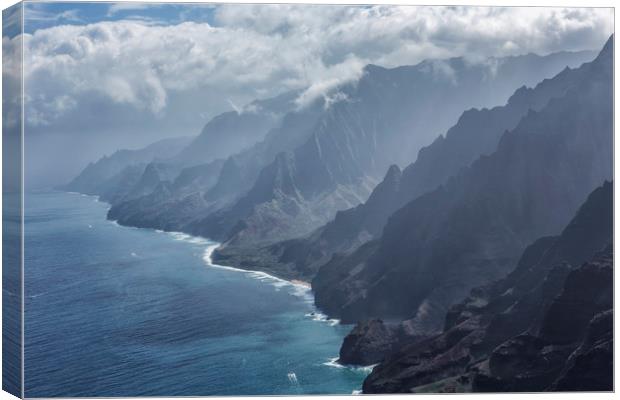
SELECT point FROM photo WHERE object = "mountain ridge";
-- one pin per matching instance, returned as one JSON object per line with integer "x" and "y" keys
{"x": 504, "y": 195}
{"x": 476, "y": 132}
{"x": 506, "y": 319}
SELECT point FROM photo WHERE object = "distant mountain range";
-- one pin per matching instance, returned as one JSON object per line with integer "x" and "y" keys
{"x": 105, "y": 174}
{"x": 335, "y": 149}
{"x": 476, "y": 133}
{"x": 472, "y": 229}
{"x": 318, "y": 192}
{"x": 379, "y": 120}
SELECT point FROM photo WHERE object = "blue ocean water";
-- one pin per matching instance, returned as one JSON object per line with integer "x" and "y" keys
{"x": 118, "y": 311}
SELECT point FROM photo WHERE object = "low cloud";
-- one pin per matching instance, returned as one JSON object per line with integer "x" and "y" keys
{"x": 254, "y": 51}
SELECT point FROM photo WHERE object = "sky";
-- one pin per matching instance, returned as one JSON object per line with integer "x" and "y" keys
{"x": 103, "y": 76}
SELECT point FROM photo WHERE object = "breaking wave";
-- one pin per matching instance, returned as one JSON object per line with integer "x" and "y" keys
{"x": 297, "y": 289}
{"x": 333, "y": 362}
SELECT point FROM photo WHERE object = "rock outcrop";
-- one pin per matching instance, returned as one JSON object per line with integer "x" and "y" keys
{"x": 539, "y": 328}
{"x": 573, "y": 331}
{"x": 370, "y": 342}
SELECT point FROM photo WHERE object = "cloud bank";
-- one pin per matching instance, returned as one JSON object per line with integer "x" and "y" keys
{"x": 129, "y": 81}
{"x": 260, "y": 50}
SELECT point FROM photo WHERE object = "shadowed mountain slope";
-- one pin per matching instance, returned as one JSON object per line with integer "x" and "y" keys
{"x": 476, "y": 133}
{"x": 546, "y": 326}
{"x": 472, "y": 229}
{"x": 380, "y": 120}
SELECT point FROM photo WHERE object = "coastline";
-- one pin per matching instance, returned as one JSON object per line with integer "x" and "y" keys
{"x": 208, "y": 259}
{"x": 303, "y": 283}
{"x": 168, "y": 269}
{"x": 291, "y": 279}
{"x": 301, "y": 288}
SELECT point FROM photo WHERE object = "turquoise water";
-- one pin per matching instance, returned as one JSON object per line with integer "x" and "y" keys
{"x": 119, "y": 311}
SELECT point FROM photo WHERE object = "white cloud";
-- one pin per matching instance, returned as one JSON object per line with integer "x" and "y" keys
{"x": 11, "y": 72}
{"x": 36, "y": 14}
{"x": 118, "y": 7}
{"x": 261, "y": 50}
{"x": 440, "y": 70}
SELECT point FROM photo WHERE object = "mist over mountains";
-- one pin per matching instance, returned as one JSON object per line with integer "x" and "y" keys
{"x": 476, "y": 133}
{"x": 422, "y": 202}
{"x": 438, "y": 246}
{"x": 339, "y": 146}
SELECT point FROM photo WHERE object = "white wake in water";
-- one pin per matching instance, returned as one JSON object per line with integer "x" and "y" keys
{"x": 292, "y": 377}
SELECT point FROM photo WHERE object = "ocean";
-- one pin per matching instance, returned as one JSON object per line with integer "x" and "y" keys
{"x": 120, "y": 311}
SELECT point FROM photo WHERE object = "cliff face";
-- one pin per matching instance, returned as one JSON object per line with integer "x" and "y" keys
{"x": 539, "y": 328}
{"x": 197, "y": 191}
{"x": 575, "y": 329}
{"x": 335, "y": 149}
{"x": 472, "y": 229}
{"x": 358, "y": 138}
{"x": 487, "y": 196}
{"x": 477, "y": 132}
{"x": 370, "y": 342}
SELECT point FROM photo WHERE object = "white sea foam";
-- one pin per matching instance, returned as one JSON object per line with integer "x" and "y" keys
{"x": 297, "y": 289}
{"x": 366, "y": 368}
{"x": 300, "y": 290}
{"x": 95, "y": 197}
{"x": 333, "y": 363}
{"x": 319, "y": 316}
{"x": 184, "y": 237}
{"x": 356, "y": 392}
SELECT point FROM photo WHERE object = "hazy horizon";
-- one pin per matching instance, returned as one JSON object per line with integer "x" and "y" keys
{"x": 99, "y": 78}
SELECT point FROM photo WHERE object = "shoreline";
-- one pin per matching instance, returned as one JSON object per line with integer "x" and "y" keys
{"x": 302, "y": 283}
{"x": 194, "y": 252}
{"x": 304, "y": 288}
{"x": 208, "y": 259}
{"x": 208, "y": 254}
